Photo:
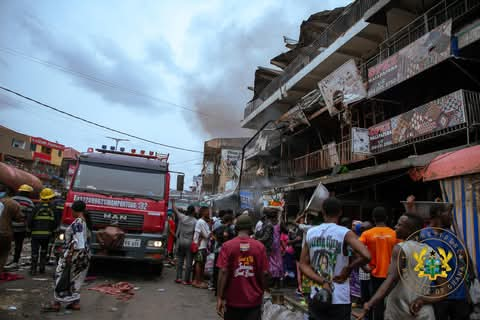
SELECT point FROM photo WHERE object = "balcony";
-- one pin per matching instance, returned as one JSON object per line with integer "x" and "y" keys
{"x": 327, "y": 158}
{"x": 431, "y": 19}
{"x": 453, "y": 113}
{"x": 345, "y": 21}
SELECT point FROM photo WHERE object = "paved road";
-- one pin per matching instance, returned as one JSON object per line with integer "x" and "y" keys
{"x": 172, "y": 302}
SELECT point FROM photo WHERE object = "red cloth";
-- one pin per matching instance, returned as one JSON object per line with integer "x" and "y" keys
{"x": 246, "y": 262}
{"x": 7, "y": 276}
{"x": 122, "y": 290}
{"x": 171, "y": 235}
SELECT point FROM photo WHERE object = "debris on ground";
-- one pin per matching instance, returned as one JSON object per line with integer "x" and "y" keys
{"x": 14, "y": 290}
{"x": 113, "y": 309}
{"x": 8, "y": 276}
{"x": 90, "y": 279}
{"x": 121, "y": 290}
{"x": 161, "y": 290}
{"x": 39, "y": 279}
{"x": 12, "y": 308}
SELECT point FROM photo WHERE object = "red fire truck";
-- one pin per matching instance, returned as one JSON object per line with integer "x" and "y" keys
{"x": 129, "y": 191}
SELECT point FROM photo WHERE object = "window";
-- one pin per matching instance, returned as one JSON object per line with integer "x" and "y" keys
{"x": 46, "y": 150}
{"x": 33, "y": 147}
{"x": 59, "y": 153}
{"x": 121, "y": 181}
{"x": 19, "y": 144}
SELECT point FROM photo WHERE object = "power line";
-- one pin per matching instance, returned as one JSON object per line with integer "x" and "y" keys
{"x": 97, "y": 124}
{"x": 104, "y": 82}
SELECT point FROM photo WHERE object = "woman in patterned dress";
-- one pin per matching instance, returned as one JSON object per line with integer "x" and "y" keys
{"x": 76, "y": 259}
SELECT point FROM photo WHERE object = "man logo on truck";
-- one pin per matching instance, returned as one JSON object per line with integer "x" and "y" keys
{"x": 115, "y": 217}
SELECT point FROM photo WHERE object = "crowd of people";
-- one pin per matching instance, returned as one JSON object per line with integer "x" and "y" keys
{"x": 21, "y": 218}
{"x": 334, "y": 263}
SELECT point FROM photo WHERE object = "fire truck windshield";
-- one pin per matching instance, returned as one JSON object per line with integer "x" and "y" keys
{"x": 120, "y": 181}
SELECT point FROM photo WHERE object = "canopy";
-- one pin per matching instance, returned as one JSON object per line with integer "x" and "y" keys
{"x": 453, "y": 164}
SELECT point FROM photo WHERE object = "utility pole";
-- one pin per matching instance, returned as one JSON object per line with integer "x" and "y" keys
{"x": 117, "y": 140}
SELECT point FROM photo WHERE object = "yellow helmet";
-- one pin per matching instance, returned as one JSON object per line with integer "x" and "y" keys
{"x": 25, "y": 188}
{"x": 47, "y": 194}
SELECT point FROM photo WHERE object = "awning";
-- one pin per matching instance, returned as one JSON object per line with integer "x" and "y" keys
{"x": 453, "y": 164}
{"x": 407, "y": 163}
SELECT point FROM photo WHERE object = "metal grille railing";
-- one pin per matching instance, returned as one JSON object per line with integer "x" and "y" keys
{"x": 323, "y": 159}
{"x": 472, "y": 103}
{"x": 432, "y": 18}
{"x": 351, "y": 15}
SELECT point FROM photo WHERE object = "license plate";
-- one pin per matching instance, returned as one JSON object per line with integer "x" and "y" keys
{"x": 132, "y": 243}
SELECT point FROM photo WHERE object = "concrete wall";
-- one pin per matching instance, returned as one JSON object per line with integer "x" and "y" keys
{"x": 7, "y": 139}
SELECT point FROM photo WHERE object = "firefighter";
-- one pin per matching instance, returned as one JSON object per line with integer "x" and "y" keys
{"x": 58, "y": 204}
{"x": 42, "y": 225}
{"x": 23, "y": 198}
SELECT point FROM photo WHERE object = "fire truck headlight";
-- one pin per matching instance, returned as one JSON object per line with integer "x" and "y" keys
{"x": 61, "y": 236}
{"x": 154, "y": 243}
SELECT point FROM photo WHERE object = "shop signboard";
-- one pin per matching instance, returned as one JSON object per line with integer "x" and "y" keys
{"x": 230, "y": 168}
{"x": 434, "y": 116}
{"x": 342, "y": 87}
{"x": 47, "y": 143}
{"x": 360, "y": 141}
{"x": 429, "y": 50}
{"x": 380, "y": 136}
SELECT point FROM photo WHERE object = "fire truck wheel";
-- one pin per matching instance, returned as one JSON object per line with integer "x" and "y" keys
{"x": 157, "y": 269}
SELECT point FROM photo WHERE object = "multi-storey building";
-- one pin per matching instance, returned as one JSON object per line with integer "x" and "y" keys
{"x": 370, "y": 93}
{"x": 221, "y": 169}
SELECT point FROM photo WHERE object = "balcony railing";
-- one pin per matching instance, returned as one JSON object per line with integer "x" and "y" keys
{"x": 448, "y": 115}
{"x": 432, "y": 18}
{"x": 340, "y": 154}
{"x": 345, "y": 21}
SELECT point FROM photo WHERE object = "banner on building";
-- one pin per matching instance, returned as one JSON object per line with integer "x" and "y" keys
{"x": 342, "y": 87}
{"x": 209, "y": 167}
{"x": 429, "y": 50}
{"x": 47, "y": 143}
{"x": 469, "y": 34}
{"x": 229, "y": 169}
{"x": 247, "y": 200}
{"x": 360, "y": 141}
{"x": 294, "y": 117}
{"x": 437, "y": 115}
{"x": 266, "y": 140}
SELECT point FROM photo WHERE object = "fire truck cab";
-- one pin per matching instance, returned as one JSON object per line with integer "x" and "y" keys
{"x": 129, "y": 191}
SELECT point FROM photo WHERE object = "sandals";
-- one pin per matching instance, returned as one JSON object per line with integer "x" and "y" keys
{"x": 74, "y": 306}
{"x": 51, "y": 307}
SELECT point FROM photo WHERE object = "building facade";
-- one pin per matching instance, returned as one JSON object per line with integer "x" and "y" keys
{"x": 368, "y": 95}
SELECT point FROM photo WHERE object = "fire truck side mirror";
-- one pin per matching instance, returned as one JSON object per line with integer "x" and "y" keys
{"x": 180, "y": 182}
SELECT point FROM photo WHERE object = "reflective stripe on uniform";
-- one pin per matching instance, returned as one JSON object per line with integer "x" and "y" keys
{"x": 43, "y": 218}
{"x": 40, "y": 232}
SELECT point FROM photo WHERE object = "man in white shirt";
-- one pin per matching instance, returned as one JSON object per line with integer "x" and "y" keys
{"x": 201, "y": 237}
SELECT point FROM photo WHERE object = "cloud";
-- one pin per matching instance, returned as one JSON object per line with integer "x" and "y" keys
{"x": 100, "y": 65}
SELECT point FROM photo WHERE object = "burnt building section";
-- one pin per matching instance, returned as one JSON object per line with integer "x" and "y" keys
{"x": 374, "y": 95}
{"x": 221, "y": 169}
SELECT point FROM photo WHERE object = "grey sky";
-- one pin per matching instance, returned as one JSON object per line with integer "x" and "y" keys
{"x": 130, "y": 57}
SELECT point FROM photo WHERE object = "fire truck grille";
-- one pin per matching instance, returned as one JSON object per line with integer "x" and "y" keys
{"x": 125, "y": 221}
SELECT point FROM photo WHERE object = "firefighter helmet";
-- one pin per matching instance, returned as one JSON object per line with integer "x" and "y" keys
{"x": 25, "y": 188}
{"x": 47, "y": 194}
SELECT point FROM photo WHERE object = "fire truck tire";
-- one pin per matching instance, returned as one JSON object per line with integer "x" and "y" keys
{"x": 157, "y": 269}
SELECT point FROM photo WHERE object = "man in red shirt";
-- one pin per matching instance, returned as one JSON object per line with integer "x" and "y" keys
{"x": 241, "y": 281}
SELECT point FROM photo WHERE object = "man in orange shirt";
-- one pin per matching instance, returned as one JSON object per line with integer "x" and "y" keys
{"x": 380, "y": 242}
